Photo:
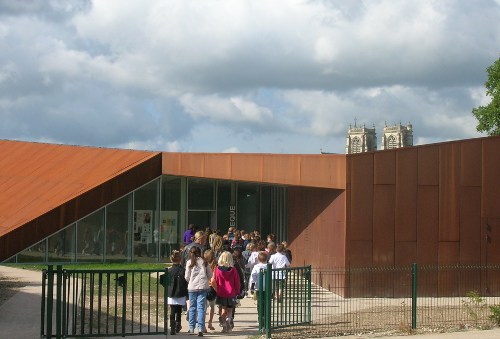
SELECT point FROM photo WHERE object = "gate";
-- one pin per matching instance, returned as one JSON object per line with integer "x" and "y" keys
{"x": 286, "y": 299}
{"x": 100, "y": 303}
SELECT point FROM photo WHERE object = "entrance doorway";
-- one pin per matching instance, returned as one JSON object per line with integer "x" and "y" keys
{"x": 202, "y": 219}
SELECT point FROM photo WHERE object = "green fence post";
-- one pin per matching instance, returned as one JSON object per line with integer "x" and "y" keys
{"x": 165, "y": 304}
{"x": 124, "y": 304}
{"x": 309, "y": 293}
{"x": 64, "y": 325}
{"x": 268, "y": 298}
{"x": 414, "y": 296}
{"x": 260, "y": 301}
{"x": 58, "y": 302}
{"x": 50, "y": 299}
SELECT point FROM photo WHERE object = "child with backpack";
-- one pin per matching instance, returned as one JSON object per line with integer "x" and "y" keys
{"x": 177, "y": 292}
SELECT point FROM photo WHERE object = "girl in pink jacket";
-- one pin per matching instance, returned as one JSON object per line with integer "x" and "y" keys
{"x": 227, "y": 285}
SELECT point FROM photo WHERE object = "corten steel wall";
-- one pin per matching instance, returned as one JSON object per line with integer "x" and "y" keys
{"x": 319, "y": 170}
{"x": 316, "y": 231}
{"x": 434, "y": 205}
{"x": 311, "y": 211}
{"x": 78, "y": 207}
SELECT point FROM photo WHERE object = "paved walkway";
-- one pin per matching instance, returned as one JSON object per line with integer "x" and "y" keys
{"x": 20, "y": 316}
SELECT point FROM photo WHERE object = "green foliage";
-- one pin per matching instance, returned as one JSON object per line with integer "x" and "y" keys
{"x": 495, "y": 314}
{"x": 474, "y": 304}
{"x": 489, "y": 116}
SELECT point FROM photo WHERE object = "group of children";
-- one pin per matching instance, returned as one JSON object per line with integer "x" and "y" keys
{"x": 218, "y": 272}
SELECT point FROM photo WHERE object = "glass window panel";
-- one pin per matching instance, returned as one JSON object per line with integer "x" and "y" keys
{"x": 11, "y": 260}
{"x": 248, "y": 206}
{"x": 90, "y": 237}
{"x": 170, "y": 215}
{"x": 356, "y": 145}
{"x": 35, "y": 253}
{"x": 201, "y": 219}
{"x": 61, "y": 246}
{"x": 118, "y": 219}
{"x": 145, "y": 223}
{"x": 223, "y": 204}
{"x": 171, "y": 193}
{"x": 266, "y": 210}
{"x": 201, "y": 194}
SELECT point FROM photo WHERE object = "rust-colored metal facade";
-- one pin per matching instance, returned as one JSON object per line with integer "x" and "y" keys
{"x": 428, "y": 204}
{"x": 434, "y": 205}
{"x": 308, "y": 170}
{"x": 431, "y": 204}
{"x": 46, "y": 187}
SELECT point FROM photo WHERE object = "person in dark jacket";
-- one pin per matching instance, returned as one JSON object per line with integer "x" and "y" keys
{"x": 237, "y": 260}
{"x": 177, "y": 292}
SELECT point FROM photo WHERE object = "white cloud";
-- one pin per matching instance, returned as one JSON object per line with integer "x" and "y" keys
{"x": 231, "y": 150}
{"x": 245, "y": 75}
{"x": 478, "y": 94}
{"x": 232, "y": 109}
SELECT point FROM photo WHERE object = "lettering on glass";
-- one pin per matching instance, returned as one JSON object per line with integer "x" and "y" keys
{"x": 232, "y": 216}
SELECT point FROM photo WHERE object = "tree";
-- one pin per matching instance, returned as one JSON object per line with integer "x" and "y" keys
{"x": 489, "y": 116}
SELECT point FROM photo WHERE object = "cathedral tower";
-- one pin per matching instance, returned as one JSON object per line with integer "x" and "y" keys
{"x": 360, "y": 139}
{"x": 397, "y": 136}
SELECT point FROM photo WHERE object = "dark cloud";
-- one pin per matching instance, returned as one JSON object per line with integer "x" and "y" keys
{"x": 52, "y": 10}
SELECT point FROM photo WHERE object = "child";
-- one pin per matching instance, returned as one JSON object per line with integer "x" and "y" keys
{"x": 198, "y": 274}
{"x": 227, "y": 285}
{"x": 279, "y": 261}
{"x": 210, "y": 259}
{"x": 254, "y": 277}
{"x": 177, "y": 292}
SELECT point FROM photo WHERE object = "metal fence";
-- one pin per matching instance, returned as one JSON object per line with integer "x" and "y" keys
{"x": 100, "y": 303}
{"x": 285, "y": 299}
{"x": 395, "y": 299}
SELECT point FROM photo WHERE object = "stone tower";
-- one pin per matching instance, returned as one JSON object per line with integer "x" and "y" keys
{"x": 397, "y": 136}
{"x": 360, "y": 139}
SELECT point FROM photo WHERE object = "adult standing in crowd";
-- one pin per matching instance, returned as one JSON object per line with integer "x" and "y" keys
{"x": 198, "y": 273}
{"x": 199, "y": 241}
{"x": 189, "y": 234}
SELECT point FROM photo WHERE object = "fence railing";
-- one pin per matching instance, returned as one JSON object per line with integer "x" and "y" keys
{"x": 99, "y": 303}
{"x": 284, "y": 298}
{"x": 400, "y": 299}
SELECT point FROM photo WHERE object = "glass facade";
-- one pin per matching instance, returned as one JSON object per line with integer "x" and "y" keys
{"x": 226, "y": 211}
{"x": 148, "y": 223}
{"x": 61, "y": 246}
{"x": 172, "y": 212}
{"x": 118, "y": 223}
{"x": 248, "y": 206}
{"x": 145, "y": 223}
{"x": 90, "y": 236}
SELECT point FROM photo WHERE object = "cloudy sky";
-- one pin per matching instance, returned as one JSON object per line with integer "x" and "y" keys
{"x": 241, "y": 76}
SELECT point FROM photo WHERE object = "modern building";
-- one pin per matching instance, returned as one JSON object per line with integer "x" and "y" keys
{"x": 434, "y": 204}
